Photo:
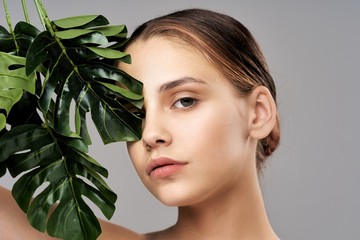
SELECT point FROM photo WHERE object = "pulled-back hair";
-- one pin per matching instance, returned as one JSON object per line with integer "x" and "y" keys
{"x": 229, "y": 46}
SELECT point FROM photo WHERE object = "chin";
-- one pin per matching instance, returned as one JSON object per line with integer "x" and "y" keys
{"x": 171, "y": 200}
{"x": 178, "y": 192}
{"x": 174, "y": 202}
{"x": 175, "y": 198}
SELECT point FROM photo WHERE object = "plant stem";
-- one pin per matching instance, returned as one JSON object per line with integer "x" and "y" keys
{"x": 47, "y": 24}
{"x": 7, "y": 15}
{"x": 26, "y": 14}
{"x": 44, "y": 16}
{"x": 8, "y": 20}
{"x": 38, "y": 4}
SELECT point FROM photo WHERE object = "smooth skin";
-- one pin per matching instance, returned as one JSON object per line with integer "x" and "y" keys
{"x": 193, "y": 115}
{"x": 14, "y": 225}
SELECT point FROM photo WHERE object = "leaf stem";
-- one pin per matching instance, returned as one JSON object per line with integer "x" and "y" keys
{"x": 7, "y": 15}
{"x": 40, "y": 11}
{"x": 26, "y": 14}
{"x": 8, "y": 20}
{"x": 47, "y": 23}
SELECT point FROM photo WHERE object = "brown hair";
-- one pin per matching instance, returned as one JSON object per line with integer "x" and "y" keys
{"x": 228, "y": 45}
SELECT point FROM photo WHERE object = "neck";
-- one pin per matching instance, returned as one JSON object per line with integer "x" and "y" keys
{"x": 236, "y": 214}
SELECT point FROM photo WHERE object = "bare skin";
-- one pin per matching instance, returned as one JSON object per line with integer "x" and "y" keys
{"x": 14, "y": 225}
{"x": 13, "y": 222}
{"x": 196, "y": 221}
{"x": 217, "y": 190}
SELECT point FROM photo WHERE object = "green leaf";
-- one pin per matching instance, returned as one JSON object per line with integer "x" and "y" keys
{"x": 87, "y": 161}
{"x": 77, "y": 215}
{"x": 72, "y": 33}
{"x": 38, "y": 51}
{"x": 24, "y": 137}
{"x": 108, "y": 53}
{"x": 3, "y": 30}
{"x": 2, "y": 121}
{"x": 66, "y": 82}
{"x": 62, "y": 109}
{"x": 12, "y": 83}
{"x": 112, "y": 30}
{"x": 26, "y": 29}
{"x": 25, "y": 111}
{"x": 79, "y": 55}
{"x": 84, "y": 21}
{"x": 21, "y": 162}
{"x": 25, "y": 34}
{"x": 76, "y": 142}
{"x": 81, "y": 125}
{"x": 88, "y": 38}
{"x": 73, "y": 62}
{"x": 101, "y": 72}
{"x": 100, "y": 194}
{"x": 59, "y": 162}
{"x": 54, "y": 75}
{"x": 16, "y": 78}
{"x": 113, "y": 121}
{"x": 124, "y": 92}
{"x": 7, "y": 43}
{"x": 9, "y": 97}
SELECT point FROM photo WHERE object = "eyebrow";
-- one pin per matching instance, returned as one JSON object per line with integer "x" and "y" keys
{"x": 178, "y": 82}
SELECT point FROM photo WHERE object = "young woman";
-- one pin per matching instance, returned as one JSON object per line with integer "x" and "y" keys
{"x": 210, "y": 120}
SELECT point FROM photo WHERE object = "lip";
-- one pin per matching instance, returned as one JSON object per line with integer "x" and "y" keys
{"x": 163, "y": 167}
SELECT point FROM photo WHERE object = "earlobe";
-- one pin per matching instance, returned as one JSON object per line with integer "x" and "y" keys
{"x": 264, "y": 113}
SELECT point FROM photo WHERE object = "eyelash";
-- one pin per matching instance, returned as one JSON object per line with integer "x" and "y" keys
{"x": 193, "y": 103}
{"x": 140, "y": 113}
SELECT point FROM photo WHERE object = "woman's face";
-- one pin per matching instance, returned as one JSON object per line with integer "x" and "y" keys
{"x": 195, "y": 143}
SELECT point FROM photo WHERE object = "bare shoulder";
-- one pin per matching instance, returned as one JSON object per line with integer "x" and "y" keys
{"x": 13, "y": 221}
{"x": 17, "y": 227}
{"x": 113, "y": 231}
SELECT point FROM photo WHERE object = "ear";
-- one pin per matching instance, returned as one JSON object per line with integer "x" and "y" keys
{"x": 263, "y": 114}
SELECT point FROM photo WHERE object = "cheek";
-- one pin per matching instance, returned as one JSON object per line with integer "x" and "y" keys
{"x": 219, "y": 126}
{"x": 213, "y": 133}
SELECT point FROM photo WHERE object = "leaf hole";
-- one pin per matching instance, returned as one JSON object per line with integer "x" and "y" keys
{"x": 15, "y": 67}
{"x": 41, "y": 188}
{"x": 72, "y": 116}
{"x": 87, "y": 181}
{"x": 23, "y": 151}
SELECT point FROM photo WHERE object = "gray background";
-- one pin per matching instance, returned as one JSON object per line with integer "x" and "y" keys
{"x": 312, "y": 47}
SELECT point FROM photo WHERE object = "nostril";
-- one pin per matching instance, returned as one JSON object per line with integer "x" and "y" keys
{"x": 148, "y": 146}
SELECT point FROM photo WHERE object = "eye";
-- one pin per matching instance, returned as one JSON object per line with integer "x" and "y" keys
{"x": 185, "y": 102}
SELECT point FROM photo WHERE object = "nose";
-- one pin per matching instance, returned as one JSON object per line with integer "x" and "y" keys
{"x": 156, "y": 131}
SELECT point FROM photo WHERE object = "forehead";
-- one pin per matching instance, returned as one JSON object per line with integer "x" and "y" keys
{"x": 164, "y": 58}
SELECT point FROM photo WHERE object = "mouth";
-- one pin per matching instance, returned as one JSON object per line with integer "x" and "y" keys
{"x": 163, "y": 167}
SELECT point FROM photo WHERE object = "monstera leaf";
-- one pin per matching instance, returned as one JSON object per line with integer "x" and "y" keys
{"x": 76, "y": 71}
{"x": 61, "y": 162}
{"x": 12, "y": 83}
{"x": 13, "y": 79}
{"x": 50, "y": 82}
{"x": 20, "y": 40}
